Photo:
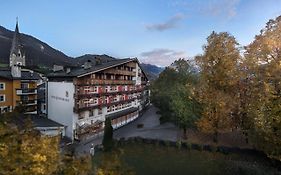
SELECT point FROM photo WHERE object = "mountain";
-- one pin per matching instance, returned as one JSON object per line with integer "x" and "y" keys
{"x": 39, "y": 54}
{"x": 84, "y": 58}
{"x": 152, "y": 70}
{"x": 36, "y": 51}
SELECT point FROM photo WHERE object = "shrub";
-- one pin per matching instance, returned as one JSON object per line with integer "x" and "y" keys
{"x": 188, "y": 146}
{"x": 167, "y": 143}
{"x": 213, "y": 149}
{"x": 178, "y": 144}
{"x": 200, "y": 147}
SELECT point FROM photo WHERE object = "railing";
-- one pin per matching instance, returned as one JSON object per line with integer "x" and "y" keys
{"x": 120, "y": 72}
{"x": 81, "y": 95}
{"x": 26, "y": 91}
{"x": 104, "y": 82}
{"x": 79, "y": 108}
{"x": 27, "y": 102}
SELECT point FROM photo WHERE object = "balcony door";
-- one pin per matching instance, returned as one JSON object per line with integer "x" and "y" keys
{"x": 24, "y": 85}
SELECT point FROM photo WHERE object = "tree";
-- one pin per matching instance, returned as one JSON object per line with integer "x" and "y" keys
{"x": 23, "y": 150}
{"x": 219, "y": 76}
{"x": 186, "y": 108}
{"x": 263, "y": 65}
{"x": 161, "y": 93}
{"x": 111, "y": 163}
{"x": 173, "y": 94}
{"x": 107, "y": 141}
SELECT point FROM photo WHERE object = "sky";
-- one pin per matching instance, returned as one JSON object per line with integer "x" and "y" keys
{"x": 154, "y": 31}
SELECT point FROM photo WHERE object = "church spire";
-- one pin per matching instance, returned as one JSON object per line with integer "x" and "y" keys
{"x": 17, "y": 57}
{"x": 17, "y": 26}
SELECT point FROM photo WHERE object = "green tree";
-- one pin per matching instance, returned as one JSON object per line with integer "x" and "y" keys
{"x": 219, "y": 76}
{"x": 107, "y": 141}
{"x": 186, "y": 108}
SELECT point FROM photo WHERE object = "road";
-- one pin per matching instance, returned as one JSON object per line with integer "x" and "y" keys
{"x": 151, "y": 129}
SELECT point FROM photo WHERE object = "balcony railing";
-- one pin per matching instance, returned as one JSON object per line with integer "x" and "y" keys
{"x": 84, "y": 107}
{"x": 91, "y": 94}
{"x": 104, "y": 82}
{"x": 27, "y": 102}
{"x": 26, "y": 91}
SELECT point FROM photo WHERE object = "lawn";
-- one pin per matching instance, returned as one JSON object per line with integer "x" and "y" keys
{"x": 145, "y": 159}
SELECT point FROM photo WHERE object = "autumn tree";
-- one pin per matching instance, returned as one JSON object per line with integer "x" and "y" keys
{"x": 263, "y": 66}
{"x": 219, "y": 76}
{"x": 23, "y": 150}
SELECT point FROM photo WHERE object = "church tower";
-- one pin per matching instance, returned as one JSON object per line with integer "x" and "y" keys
{"x": 17, "y": 55}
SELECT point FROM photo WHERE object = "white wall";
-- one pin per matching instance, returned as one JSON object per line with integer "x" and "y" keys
{"x": 60, "y": 104}
{"x": 138, "y": 79}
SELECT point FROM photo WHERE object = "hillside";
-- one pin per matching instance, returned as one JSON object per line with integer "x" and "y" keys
{"x": 39, "y": 54}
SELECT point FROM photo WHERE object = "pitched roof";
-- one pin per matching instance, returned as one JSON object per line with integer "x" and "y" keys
{"x": 39, "y": 121}
{"x": 25, "y": 75}
{"x": 16, "y": 43}
{"x": 77, "y": 72}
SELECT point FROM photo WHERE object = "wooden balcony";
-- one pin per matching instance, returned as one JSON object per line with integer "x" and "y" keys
{"x": 108, "y": 93}
{"x": 103, "y": 82}
{"x": 120, "y": 72}
{"x": 80, "y": 108}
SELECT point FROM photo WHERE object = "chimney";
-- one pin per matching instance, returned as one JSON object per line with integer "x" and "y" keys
{"x": 57, "y": 68}
{"x": 87, "y": 64}
{"x": 68, "y": 70}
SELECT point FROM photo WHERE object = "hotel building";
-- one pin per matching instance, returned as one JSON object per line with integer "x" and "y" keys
{"x": 82, "y": 98}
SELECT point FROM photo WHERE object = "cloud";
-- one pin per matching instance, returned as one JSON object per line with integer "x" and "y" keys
{"x": 161, "y": 57}
{"x": 226, "y": 9}
{"x": 222, "y": 8}
{"x": 169, "y": 24}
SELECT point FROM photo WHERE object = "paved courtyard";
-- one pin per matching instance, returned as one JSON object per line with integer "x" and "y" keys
{"x": 151, "y": 129}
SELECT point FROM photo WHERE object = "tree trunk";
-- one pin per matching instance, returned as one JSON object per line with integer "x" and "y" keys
{"x": 215, "y": 138}
{"x": 184, "y": 133}
{"x": 246, "y": 139}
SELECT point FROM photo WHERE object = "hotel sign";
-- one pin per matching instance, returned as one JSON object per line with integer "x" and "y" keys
{"x": 61, "y": 98}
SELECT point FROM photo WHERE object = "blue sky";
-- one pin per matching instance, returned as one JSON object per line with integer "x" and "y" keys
{"x": 155, "y": 31}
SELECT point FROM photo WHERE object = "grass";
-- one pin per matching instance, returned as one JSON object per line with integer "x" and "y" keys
{"x": 144, "y": 159}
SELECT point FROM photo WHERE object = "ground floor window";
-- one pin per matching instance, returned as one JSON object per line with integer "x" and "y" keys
{"x": 2, "y": 98}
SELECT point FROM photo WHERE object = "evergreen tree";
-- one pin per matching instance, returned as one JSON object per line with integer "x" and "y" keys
{"x": 107, "y": 141}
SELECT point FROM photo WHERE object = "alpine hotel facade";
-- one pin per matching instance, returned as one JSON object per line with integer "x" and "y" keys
{"x": 82, "y": 98}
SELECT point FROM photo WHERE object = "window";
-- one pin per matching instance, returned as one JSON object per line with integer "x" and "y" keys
{"x": 2, "y": 86}
{"x": 100, "y": 111}
{"x": 91, "y": 113}
{"x": 87, "y": 89}
{"x": 95, "y": 89}
{"x": 2, "y": 98}
{"x": 24, "y": 98}
{"x": 24, "y": 85}
{"x": 80, "y": 116}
